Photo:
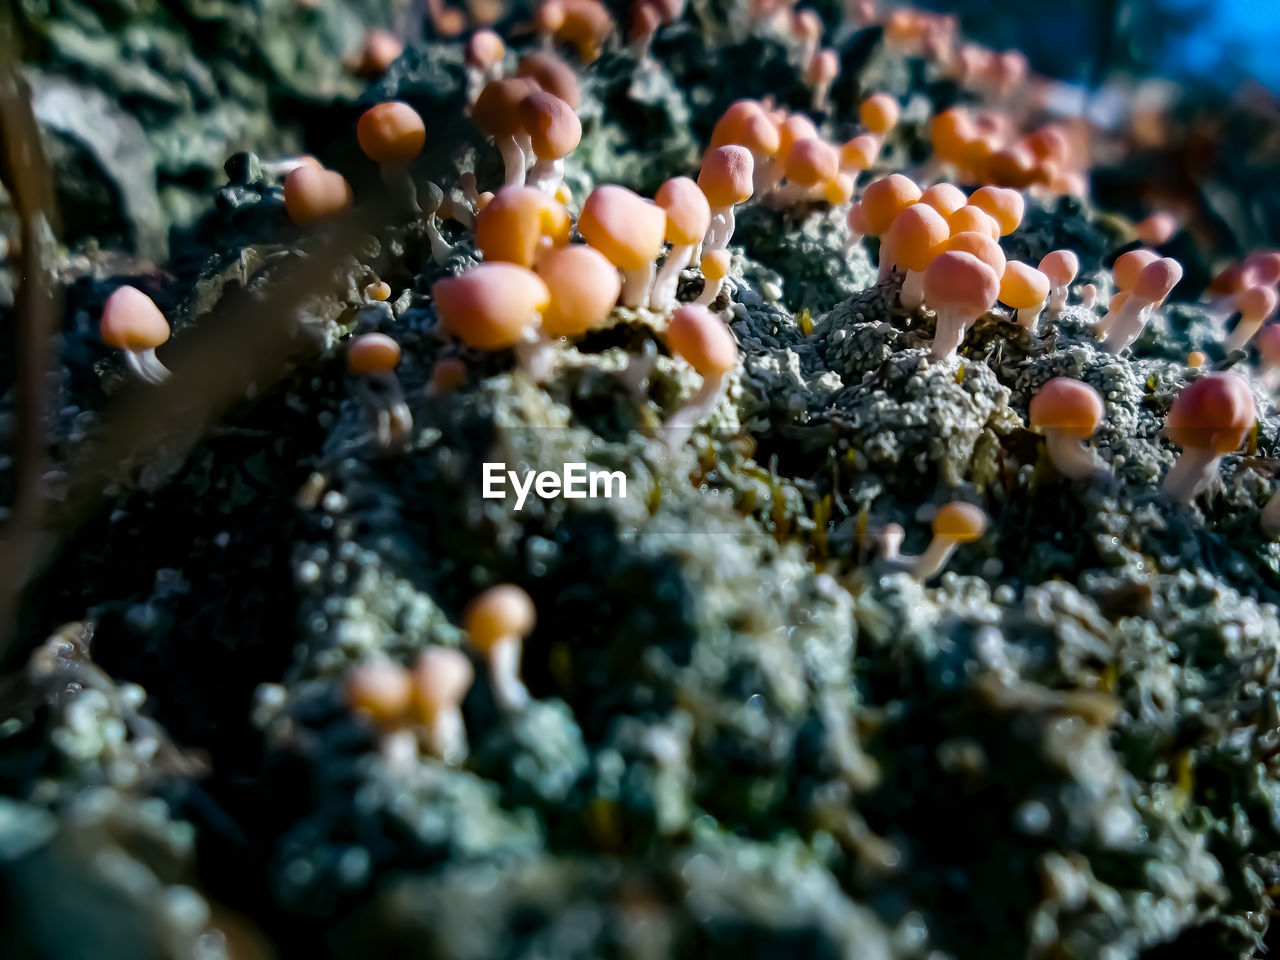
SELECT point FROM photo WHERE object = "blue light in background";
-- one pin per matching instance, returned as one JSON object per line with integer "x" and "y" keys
{"x": 1229, "y": 40}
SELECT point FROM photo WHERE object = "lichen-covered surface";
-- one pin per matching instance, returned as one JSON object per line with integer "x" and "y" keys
{"x": 749, "y": 736}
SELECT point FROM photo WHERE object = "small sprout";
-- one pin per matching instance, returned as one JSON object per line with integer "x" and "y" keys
{"x": 554, "y": 132}
{"x": 378, "y": 290}
{"x": 1156, "y": 229}
{"x": 1209, "y": 418}
{"x": 552, "y": 74}
{"x": 441, "y": 249}
{"x": 960, "y": 288}
{"x": 820, "y": 74}
{"x": 885, "y": 198}
{"x": 630, "y": 231}
{"x": 497, "y": 113}
{"x": 1024, "y": 288}
{"x": 971, "y": 219}
{"x": 392, "y": 134}
{"x": 373, "y": 357}
{"x": 1068, "y": 412}
{"x": 380, "y": 690}
{"x": 715, "y": 267}
{"x": 705, "y": 343}
{"x": 1088, "y": 296}
{"x": 688, "y": 218}
{"x": 917, "y": 236}
{"x": 1154, "y": 283}
{"x": 879, "y": 114}
{"x": 312, "y": 193}
{"x": 888, "y": 541}
{"x": 727, "y": 178}
{"x": 584, "y": 287}
{"x": 483, "y": 58}
{"x": 132, "y": 322}
{"x": 954, "y": 523}
{"x": 1004, "y": 205}
{"x": 1061, "y": 267}
{"x": 495, "y": 306}
{"x": 1256, "y": 305}
{"x": 981, "y": 246}
{"x": 946, "y": 198}
{"x": 548, "y": 17}
{"x": 439, "y": 683}
{"x": 447, "y": 375}
{"x": 519, "y": 224}
{"x": 497, "y": 623}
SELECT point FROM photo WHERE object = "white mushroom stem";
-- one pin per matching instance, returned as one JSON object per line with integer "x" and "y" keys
{"x": 1088, "y": 296}
{"x": 1270, "y": 518}
{"x": 682, "y": 422}
{"x": 667, "y": 281}
{"x": 636, "y": 285}
{"x": 1242, "y": 334}
{"x": 535, "y": 353}
{"x": 912, "y": 294}
{"x": 144, "y": 365}
{"x": 504, "y": 674}
{"x": 934, "y": 558}
{"x": 1029, "y": 318}
{"x": 949, "y": 334}
{"x": 766, "y": 174}
{"x": 888, "y": 542}
{"x": 820, "y": 93}
{"x": 1123, "y": 326}
{"x": 1070, "y": 456}
{"x": 513, "y": 157}
{"x": 392, "y": 421}
{"x": 721, "y": 229}
{"x": 635, "y": 376}
{"x": 710, "y": 290}
{"x": 787, "y": 194}
{"x": 441, "y": 250}
{"x": 1191, "y": 474}
{"x": 446, "y": 734}
{"x": 1058, "y": 298}
{"x": 546, "y": 175}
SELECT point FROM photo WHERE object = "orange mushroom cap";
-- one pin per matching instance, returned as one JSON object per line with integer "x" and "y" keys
{"x": 552, "y": 74}
{"x": 624, "y": 226}
{"x": 448, "y": 374}
{"x": 132, "y": 321}
{"x": 857, "y": 220}
{"x": 312, "y": 193}
{"x": 1068, "y": 405}
{"x": 511, "y": 226}
{"x": 484, "y": 49}
{"x": 380, "y": 49}
{"x": 1012, "y": 166}
{"x": 795, "y": 127}
{"x": 879, "y": 113}
{"x": 885, "y": 198}
{"x": 951, "y": 133}
{"x": 1004, "y": 205}
{"x": 838, "y": 190}
{"x": 981, "y": 246}
{"x": 1264, "y": 266}
{"x": 587, "y": 24}
{"x": 584, "y": 287}
{"x": 732, "y": 125}
{"x": 381, "y": 690}
{"x": 688, "y": 213}
{"x": 497, "y": 109}
{"x": 492, "y": 305}
{"x": 946, "y": 198}
{"x": 373, "y": 353}
{"x": 916, "y": 236}
{"x": 1256, "y": 304}
{"x": 1022, "y": 285}
{"x": 554, "y": 129}
{"x": 715, "y": 264}
{"x": 860, "y": 152}
{"x": 1060, "y": 266}
{"x": 1128, "y": 265}
{"x": 499, "y": 613}
{"x": 959, "y": 521}
{"x": 702, "y": 339}
{"x": 726, "y": 175}
{"x": 1050, "y": 143}
{"x": 823, "y": 68}
{"x": 812, "y": 161}
{"x": 440, "y": 679}
{"x": 960, "y": 282}
{"x": 974, "y": 219}
{"x": 1212, "y": 413}
{"x": 391, "y": 132}
{"x": 1157, "y": 279}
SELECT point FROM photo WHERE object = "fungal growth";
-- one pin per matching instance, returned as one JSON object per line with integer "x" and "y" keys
{"x": 1024, "y": 288}
{"x": 960, "y": 288}
{"x": 954, "y": 523}
{"x": 392, "y": 135}
{"x": 1256, "y": 305}
{"x": 688, "y": 219}
{"x": 497, "y": 623}
{"x": 554, "y": 132}
{"x": 496, "y": 306}
{"x": 629, "y": 230}
{"x": 1068, "y": 412}
{"x": 313, "y": 194}
{"x": 1208, "y": 419}
{"x": 1061, "y": 267}
{"x": 373, "y": 358}
{"x": 133, "y": 324}
{"x": 727, "y": 180}
{"x": 701, "y": 339}
{"x": 1124, "y": 323}
{"x": 438, "y": 683}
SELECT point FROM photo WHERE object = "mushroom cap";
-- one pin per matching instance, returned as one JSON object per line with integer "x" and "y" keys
{"x": 951, "y": 132}
{"x": 726, "y": 175}
{"x": 372, "y": 353}
{"x": 448, "y": 374}
{"x": 715, "y": 264}
{"x": 1060, "y": 266}
{"x": 645, "y": 19}
{"x": 838, "y": 190}
{"x": 552, "y": 74}
{"x": 584, "y": 287}
{"x": 378, "y": 290}
{"x": 860, "y": 152}
{"x": 1231, "y": 279}
{"x": 806, "y": 25}
{"x": 1256, "y": 304}
{"x": 380, "y": 49}
{"x": 381, "y": 690}
{"x": 1068, "y": 405}
{"x": 500, "y": 613}
{"x": 492, "y": 305}
{"x": 624, "y": 226}
{"x": 917, "y": 236}
{"x": 1265, "y": 267}
{"x": 946, "y": 198}
{"x": 1050, "y": 143}
{"x": 554, "y": 129}
{"x": 959, "y": 521}
{"x": 823, "y": 68}
{"x": 132, "y": 321}
{"x": 391, "y": 132}
{"x": 688, "y": 213}
{"x": 974, "y": 219}
{"x": 879, "y": 113}
{"x": 734, "y": 123}
{"x": 1128, "y": 265}
{"x": 587, "y": 24}
{"x": 441, "y": 677}
{"x": 312, "y": 193}
{"x": 1197, "y": 358}
{"x": 548, "y": 17}
{"x": 1156, "y": 229}
{"x": 961, "y": 283}
{"x": 1212, "y": 413}
{"x": 795, "y": 127}
{"x": 885, "y": 198}
{"x": 812, "y": 161}
{"x": 511, "y": 226}
{"x": 1267, "y": 341}
{"x": 981, "y": 246}
{"x": 497, "y": 109}
{"x": 1012, "y": 166}
{"x": 1005, "y": 205}
{"x": 702, "y": 339}
{"x": 1157, "y": 279}
{"x": 484, "y": 49}
{"x": 1022, "y": 285}
{"x": 856, "y": 218}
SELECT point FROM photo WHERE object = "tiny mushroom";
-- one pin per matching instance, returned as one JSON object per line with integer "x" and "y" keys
{"x": 552, "y": 74}
{"x": 630, "y": 231}
{"x": 688, "y": 217}
{"x": 312, "y": 193}
{"x": 917, "y": 236}
{"x": 392, "y": 134}
{"x": 981, "y": 246}
{"x": 705, "y": 343}
{"x": 885, "y": 198}
{"x": 519, "y": 224}
{"x": 1154, "y": 283}
{"x": 447, "y": 375}
{"x": 960, "y": 288}
{"x": 1061, "y": 267}
{"x": 494, "y": 306}
{"x": 879, "y": 113}
{"x": 483, "y": 58}
{"x": 1068, "y": 412}
{"x": 1209, "y": 418}
{"x": 373, "y": 358}
{"x": 584, "y": 287}
{"x": 810, "y": 164}
{"x": 821, "y": 72}
{"x": 497, "y": 623}
{"x": 1005, "y": 206}
{"x": 497, "y": 113}
{"x": 132, "y": 322}
{"x": 954, "y": 523}
{"x": 715, "y": 267}
{"x": 726, "y": 178}
{"x": 554, "y": 132}
{"x": 971, "y": 219}
{"x": 439, "y": 682}
{"x": 1024, "y": 288}
{"x": 1256, "y": 305}
{"x": 380, "y": 690}
{"x": 946, "y": 198}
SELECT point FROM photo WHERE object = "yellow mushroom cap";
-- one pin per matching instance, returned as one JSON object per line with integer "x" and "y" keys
{"x": 391, "y": 132}
{"x": 702, "y": 339}
{"x": 946, "y": 198}
{"x": 726, "y": 175}
{"x": 838, "y": 190}
{"x": 1060, "y": 266}
{"x": 951, "y": 132}
{"x": 440, "y": 678}
{"x": 492, "y": 305}
{"x": 688, "y": 213}
{"x": 381, "y": 690}
{"x": 1256, "y": 304}
{"x": 974, "y": 219}
{"x": 554, "y": 129}
{"x": 812, "y": 161}
{"x": 959, "y": 521}
{"x": 860, "y": 152}
{"x": 378, "y": 290}
{"x": 879, "y": 113}
{"x": 497, "y": 109}
{"x": 715, "y": 264}
{"x": 962, "y": 283}
{"x": 1212, "y": 413}
{"x": 312, "y": 193}
{"x": 484, "y": 49}
{"x": 887, "y": 197}
{"x": 1197, "y": 358}
{"x": 736, "y": 122}
{"x": 1128, "y": 265}
{"x": 916, "y": 236}
{"x": 372, "y": 353}
{"x": 511, "y": 226}
{"x": 552, "y": 74}
{"x": 500, "y": 613}
{"x": 587, "y": 24}
{"x": 584, "y": 287}
{"x": 624, "y": 226}
{"x": 1022, "y": 285}
{"x": 132, "y": 321}
{"x": 1005, "y": 206}
{"x": 981, "y": 246}
{"x": 795, "y": 127}
{"x": 1068, "y": 405}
